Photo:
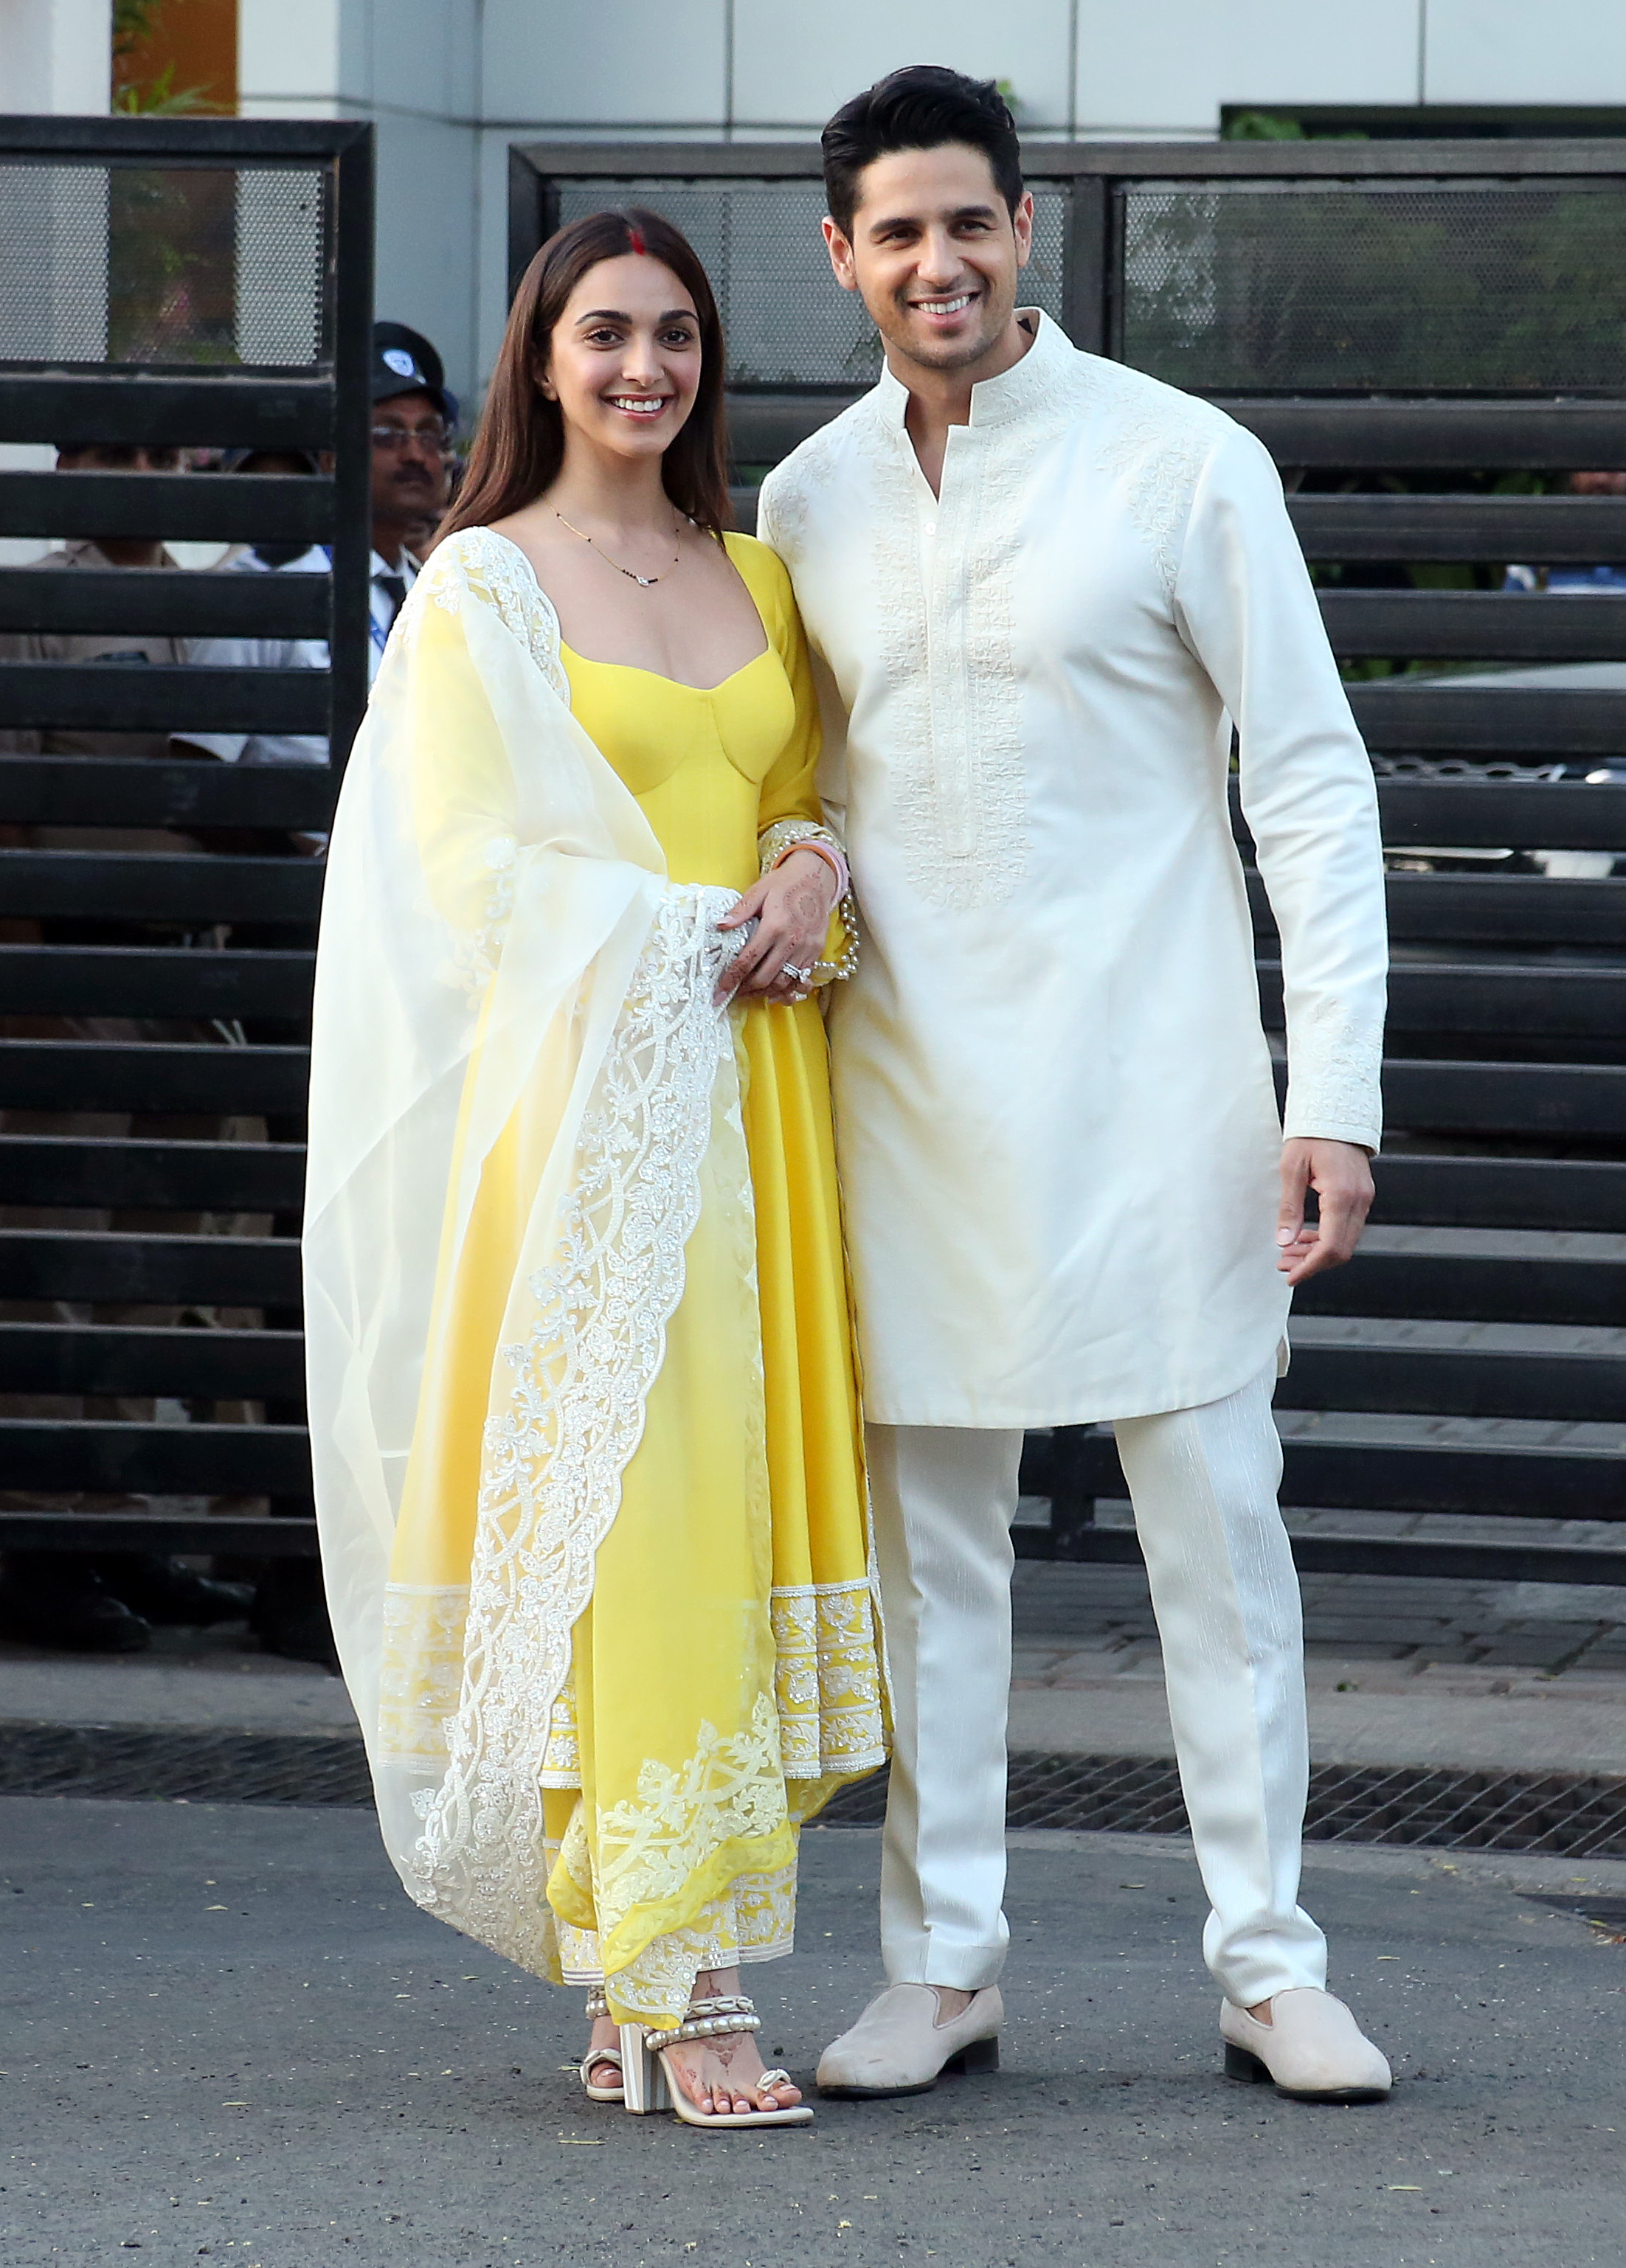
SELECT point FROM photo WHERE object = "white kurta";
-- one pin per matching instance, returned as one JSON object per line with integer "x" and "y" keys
{"x": 1054, "y": 1100}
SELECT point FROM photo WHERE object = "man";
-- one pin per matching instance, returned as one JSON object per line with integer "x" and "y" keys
{"x": 1043, "y": 586}
{"x": 412, "y": 418}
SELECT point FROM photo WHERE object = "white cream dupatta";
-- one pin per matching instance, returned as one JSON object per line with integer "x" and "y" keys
{"x": 497, "y": 920}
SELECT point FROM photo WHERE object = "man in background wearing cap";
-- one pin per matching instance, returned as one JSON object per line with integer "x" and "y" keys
{"x": 412, "y": 416}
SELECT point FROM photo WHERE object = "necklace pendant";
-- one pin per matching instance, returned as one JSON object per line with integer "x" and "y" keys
{"x": 643, "y": 581}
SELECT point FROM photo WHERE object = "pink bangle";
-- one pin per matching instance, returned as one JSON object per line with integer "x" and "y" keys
{"x": 832, "y": 858}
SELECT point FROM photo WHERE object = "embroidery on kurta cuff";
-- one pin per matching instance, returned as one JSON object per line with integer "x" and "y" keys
{"x": 828, "y": 1680}
{"x": 1334, "y": 1058}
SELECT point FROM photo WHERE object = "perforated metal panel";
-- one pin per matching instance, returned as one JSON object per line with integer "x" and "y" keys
{"x": 164, "y": 267}
{"x": 1466, "y": 285}
{"x": 787, "y": 322}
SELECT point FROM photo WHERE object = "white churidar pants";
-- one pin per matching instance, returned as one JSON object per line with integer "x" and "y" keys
{"x": 1225, "y": 1595}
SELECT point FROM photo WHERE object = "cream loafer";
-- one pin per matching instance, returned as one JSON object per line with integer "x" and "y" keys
{"x": 1311, "y": 2049}
{"x": 899, "y": 2047}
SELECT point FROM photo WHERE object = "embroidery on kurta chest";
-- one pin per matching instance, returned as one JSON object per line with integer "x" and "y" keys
{"x": 955, "y": 759}
{"x": 1155, "y": 448}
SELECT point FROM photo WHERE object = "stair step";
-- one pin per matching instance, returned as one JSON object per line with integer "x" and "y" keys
{"x": 152, "y": 1075}
{"x": 1501, "y": 909}
{"x": 1411, "y": 1557}
{"x": 1475, "y": 1192}
{"x": 65, "y": 1263}
{"x": 1578, "y": 1386}
{"x": 79, "y": 1169}
{"x": 137, "y": 791}
{"x": 1434, "y": 1191}
{"x": 244, "y": 1535}
{"x": 1560, "y": 1100}
{"x": 1510, "y": 1482}
{"x": 137, "y": 1358}
{"x": 122, "y": 980}
{"x": 91, "y": 1452}
{"x": 1472, "y": 1288}
{"x": 1523, "y": 1000}
{"x": 160, "y": 885}
{"x": 1397, "y": 718}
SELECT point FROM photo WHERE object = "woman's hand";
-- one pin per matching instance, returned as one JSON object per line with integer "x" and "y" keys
{"x": 793, "y": 905}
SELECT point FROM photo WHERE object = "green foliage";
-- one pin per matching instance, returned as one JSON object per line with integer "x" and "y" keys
{"x": 162, "y": 98}
{"x": 134, "y": 21}
{"x": 1348, "y": 288}
{"x": 1260, "y": 126}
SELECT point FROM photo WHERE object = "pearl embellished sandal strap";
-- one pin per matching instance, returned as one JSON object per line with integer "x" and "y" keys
{"x": 597, "y": 2006}
{"x": 711, "y": 2019}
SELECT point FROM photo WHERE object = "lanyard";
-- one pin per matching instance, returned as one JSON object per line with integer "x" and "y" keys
{"x": 376, "y": 630}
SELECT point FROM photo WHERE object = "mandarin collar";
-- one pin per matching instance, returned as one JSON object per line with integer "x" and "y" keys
{"x": 994, "y": 401}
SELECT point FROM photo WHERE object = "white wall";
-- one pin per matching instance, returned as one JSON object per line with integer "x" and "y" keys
{"x": 412, "y": 66}
{"x": 1526, "y": 51}
{"x": 451, "y": 83}
{"x": 1166, "y": 66}
{"x": 56, "y": 56}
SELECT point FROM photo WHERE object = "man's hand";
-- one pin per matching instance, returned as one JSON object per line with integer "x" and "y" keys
{"x": 793, "y": 905}
{"x": 1341, "y": 1175}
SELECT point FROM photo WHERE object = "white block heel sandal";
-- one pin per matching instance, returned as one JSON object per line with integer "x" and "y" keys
{"x": 597, "y": 2057}
{"x": 651, "y": 2085}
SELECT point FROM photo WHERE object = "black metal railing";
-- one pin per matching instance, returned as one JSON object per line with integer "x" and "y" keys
{"x": 181, "y": 284}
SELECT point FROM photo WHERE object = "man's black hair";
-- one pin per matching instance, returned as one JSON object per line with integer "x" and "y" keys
{"x": 921, "y": 107}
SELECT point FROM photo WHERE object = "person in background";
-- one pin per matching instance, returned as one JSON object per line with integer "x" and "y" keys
{"x": 70, "y": 1599}
{"x": 264, "y": 652}
{"x": 412, "y": 418}
{"x": 1608, "y": 576}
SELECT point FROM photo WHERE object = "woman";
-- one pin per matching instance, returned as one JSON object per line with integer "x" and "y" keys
{"x": 583, "y": 1401}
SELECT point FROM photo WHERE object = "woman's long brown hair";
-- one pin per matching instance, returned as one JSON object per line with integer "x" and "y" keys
{"x": 520, "y": 444}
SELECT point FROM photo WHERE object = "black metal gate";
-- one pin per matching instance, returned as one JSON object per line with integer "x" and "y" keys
{"x": 189, "y": 284}
{"x": 1414, "y": 329}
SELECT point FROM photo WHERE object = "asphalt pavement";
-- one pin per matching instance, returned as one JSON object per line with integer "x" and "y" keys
{"x": 227, "y": 2035}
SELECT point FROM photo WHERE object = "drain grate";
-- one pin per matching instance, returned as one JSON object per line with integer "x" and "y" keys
{"x": 1572, "y": 1816}
{"x": 1576, "y": 1816}
{"x": 179, "y": 1764}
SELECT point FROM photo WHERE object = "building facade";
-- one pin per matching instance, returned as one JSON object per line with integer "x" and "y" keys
{"x": 451, "y": 84}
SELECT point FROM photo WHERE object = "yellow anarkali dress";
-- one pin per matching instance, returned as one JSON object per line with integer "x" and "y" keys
{"x": 682, "y": 1577}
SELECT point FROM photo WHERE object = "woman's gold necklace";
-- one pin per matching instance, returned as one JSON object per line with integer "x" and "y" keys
{"x": 644, "y": 582}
